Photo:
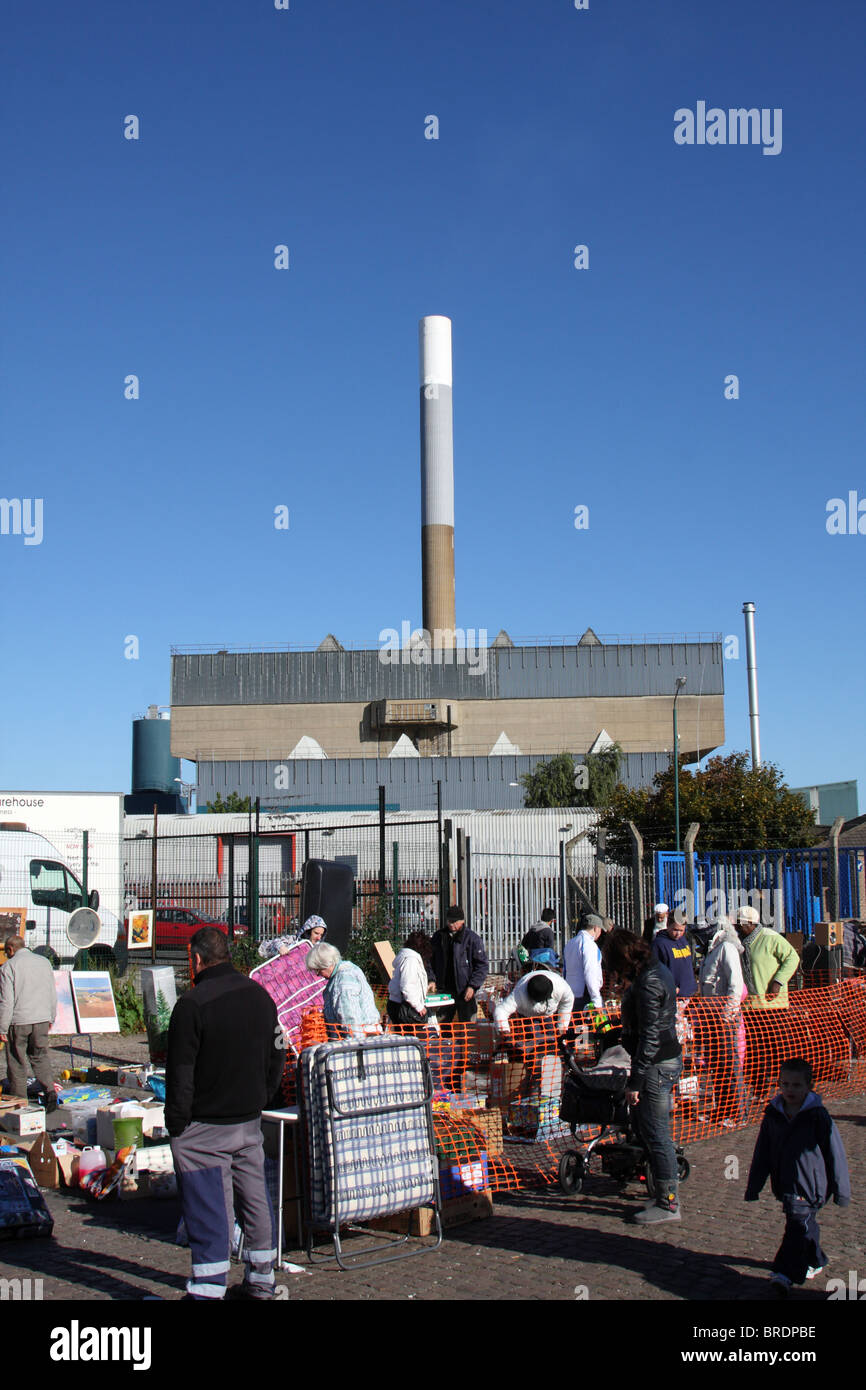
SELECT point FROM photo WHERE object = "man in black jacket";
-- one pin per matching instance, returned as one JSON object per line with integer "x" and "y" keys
{"x": 459, "y": 965}
{"x": 225, "y": 1060}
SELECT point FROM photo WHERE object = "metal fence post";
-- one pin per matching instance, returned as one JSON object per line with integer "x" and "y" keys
{"x": 445, "y": 894}
{"x": 467, "y": 900}
{"x": 395, "y": 882}
{"x": 459, "y": 868}
{"x": 381, "y": 842}
{"x": 637, "y": 877}
{"x": 833, "y": 867}
{"x": 153, "y": 882}
{"x": 601, "y": 873}
{"x": 230, "y": 906}
{"x": 563, "y": 898}
{"x": 691, "y": 836}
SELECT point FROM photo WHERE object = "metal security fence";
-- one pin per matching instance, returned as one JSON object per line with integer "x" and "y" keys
{"x": 253, "y": 879}
{"x": 508, "y": 893}
{"x": 791, "y": 889}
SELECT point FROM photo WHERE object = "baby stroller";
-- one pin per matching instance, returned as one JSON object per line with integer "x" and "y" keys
{"x": 596, "y": 1096}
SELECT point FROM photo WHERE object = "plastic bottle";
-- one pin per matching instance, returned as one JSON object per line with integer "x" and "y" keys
{"x": 92, "y": 1161}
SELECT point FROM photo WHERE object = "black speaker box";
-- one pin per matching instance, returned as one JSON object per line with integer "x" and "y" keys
{"x": 822, "y": 965}
{"x": 326, "y": 889}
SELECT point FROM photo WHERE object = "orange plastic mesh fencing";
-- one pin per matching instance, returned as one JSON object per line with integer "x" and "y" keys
{"x": 497, "y": 1096}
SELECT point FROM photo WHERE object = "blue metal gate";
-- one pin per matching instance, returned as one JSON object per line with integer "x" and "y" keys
{"x": 728, "y": 879}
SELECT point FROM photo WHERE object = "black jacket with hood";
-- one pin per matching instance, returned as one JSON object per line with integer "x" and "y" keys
{"x": 649, "y": 1017}
{"x": 225, "y": 1053}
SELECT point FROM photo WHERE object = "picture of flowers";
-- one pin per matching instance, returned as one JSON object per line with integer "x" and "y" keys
{"x": 140, "y": 929}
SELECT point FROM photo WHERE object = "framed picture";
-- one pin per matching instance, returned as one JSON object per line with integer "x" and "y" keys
{"x": 94, "y": 1001}
{"x": 140, "y": 934}
{"x": 12, "y": 921}
{"x": 65, "y": 1022}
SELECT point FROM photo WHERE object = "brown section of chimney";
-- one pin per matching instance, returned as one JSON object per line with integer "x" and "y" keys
{"x": 437, "y": 583}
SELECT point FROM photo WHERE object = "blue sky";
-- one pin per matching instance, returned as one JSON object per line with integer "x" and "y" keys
{"x": 260, "y": 387}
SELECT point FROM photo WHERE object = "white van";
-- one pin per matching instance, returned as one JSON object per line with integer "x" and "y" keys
{"x": 34, "y": 877}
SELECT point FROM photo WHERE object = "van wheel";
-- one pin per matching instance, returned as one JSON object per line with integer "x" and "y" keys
{"x": 49, "y": 954}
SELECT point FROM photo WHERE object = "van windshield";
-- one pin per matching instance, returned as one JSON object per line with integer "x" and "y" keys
{"x": 53, "y": 885}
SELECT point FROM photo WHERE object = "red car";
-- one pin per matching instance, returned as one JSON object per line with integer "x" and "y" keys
{"x": 176, "y": 925}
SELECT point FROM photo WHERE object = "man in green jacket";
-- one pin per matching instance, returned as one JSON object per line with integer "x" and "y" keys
{"x": 769, "y": 961}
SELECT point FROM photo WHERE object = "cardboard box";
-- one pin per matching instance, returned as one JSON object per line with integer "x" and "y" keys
{"x": 132, "y": 1077}
{"x": 27, "y": 1119}
{"x": 154, "y": 1158}
{"x": 154, "y": 1117}
{"x": 457, "y": 1179}
{"x": 482, "y": 1042}
{"x": 488, "y": 1123}
{"x": 535, "y": 1119}
{"x": 383, "y": 955}
{"x": 105, "y": 1117}
{"x": 506, "y": 1081}
{"x": 475, "y": 1206}
{"x": 105, "y": 1076}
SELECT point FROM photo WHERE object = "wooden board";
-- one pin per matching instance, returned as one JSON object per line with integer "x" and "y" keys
{"x": 475, "y": 1206}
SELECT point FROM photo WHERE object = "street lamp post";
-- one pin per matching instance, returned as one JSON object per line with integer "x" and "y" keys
{"x": 681, "y": 680}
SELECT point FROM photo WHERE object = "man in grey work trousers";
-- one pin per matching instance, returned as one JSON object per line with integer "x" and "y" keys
{"x": 225, "y": 1061}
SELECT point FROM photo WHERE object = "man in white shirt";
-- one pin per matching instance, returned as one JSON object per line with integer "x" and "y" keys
{"x": 582, "y": 963}
{"x": 538, "y": 995}
{"x": 542, "y": 1002}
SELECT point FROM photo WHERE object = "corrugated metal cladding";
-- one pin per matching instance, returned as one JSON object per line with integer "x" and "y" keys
{"x": 493, "y": 832}
{"x": 286, "y": 678}
{"x": 410, "y": 783}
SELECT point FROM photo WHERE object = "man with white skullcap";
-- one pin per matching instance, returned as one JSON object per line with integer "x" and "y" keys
{"x": 657, "y": 922}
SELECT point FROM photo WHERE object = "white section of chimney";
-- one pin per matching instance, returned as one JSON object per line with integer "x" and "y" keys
{"x": 434, "y": 343}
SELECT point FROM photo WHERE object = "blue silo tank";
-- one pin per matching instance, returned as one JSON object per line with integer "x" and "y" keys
{"x": 153, "y": 767}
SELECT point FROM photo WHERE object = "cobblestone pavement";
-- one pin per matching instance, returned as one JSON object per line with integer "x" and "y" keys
{"x": 537, "y": 1245}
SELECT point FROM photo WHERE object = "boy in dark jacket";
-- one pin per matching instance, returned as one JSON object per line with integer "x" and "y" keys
{"x": 799, "y": 1149}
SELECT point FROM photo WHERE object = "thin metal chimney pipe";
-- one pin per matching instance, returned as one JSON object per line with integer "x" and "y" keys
{"x": 752, "y": 668}
{"x": 437, "y": 481}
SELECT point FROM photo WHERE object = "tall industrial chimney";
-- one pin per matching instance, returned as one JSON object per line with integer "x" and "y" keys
{"x": 752, "y": 671}
{"x": 437, "y": 480}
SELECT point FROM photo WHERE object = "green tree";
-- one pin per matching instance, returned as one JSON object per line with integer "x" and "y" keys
{"x": 550, "y": 783}
{"x": 233, "y": 802}
{"x": 378, "y": 925}
{"x": 602, "y": 777}
{"x": 559, "y": 782}
{"x": 738, "y": 807}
